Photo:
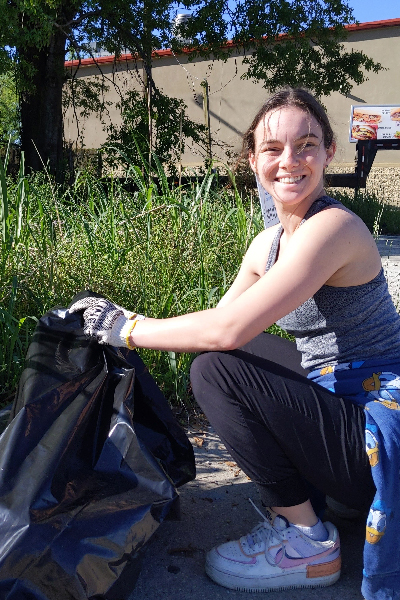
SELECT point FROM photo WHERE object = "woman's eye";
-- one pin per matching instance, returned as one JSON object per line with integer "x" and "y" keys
{"x": 306, "y": 146}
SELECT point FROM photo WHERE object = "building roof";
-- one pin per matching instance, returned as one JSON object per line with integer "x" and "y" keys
{"x": 86, "y": 62}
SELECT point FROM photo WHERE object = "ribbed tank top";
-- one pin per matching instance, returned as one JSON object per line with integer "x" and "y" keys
{"x": 342, "y": 324}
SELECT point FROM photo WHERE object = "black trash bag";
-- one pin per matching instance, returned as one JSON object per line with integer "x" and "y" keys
{"x": 89, "y": 466}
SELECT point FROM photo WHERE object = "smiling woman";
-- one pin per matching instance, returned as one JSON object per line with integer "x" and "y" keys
{"x": 293, "y": 418}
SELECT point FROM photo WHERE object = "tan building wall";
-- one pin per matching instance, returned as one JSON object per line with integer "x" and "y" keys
{"x": 234, "y": 101}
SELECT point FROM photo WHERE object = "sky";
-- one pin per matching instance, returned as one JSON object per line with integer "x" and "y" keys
{"x": 373, "y": 10}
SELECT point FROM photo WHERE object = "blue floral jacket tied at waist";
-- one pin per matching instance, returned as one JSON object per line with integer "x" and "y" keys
{"x": 376, "y": 385}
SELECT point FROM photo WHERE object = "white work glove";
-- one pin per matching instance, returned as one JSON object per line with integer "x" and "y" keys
{"x": 107, "y": 322}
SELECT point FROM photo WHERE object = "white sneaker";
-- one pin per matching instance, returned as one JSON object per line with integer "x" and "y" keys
{"x": 276, "y": 556}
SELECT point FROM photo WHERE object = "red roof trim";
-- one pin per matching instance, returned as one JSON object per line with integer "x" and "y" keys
{"x": 85, "y": 62}
{"x": 374, "y": 25}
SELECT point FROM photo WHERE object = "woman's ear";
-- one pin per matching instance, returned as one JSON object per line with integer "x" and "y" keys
{"x": 252, "y": 162}
{"x": 330, "y": 153}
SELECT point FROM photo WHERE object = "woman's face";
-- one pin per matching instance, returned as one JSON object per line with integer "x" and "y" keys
{"x": 290, "y": 155}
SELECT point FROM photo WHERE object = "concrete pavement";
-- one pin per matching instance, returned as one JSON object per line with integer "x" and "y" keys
{"x": 215, "y": 508}
{"x": 389, "y": 249}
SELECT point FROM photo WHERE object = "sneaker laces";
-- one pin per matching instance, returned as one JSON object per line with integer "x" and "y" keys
{"x": 266, "y": 534}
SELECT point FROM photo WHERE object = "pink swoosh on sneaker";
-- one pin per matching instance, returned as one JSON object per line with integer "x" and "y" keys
{"x": 286, "y": 562}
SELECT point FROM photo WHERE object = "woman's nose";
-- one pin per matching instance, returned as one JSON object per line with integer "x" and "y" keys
{"x": 289, "y": 157}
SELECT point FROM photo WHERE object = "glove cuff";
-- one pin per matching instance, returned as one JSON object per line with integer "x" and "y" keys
{"x": 127, "y": 328}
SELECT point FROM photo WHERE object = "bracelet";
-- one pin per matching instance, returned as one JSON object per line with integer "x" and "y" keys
{"x": 127, "y": 340}
{"x": 135, "y": 318}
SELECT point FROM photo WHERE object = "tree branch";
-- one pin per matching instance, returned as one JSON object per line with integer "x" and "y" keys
{"x": 77, "y": 21}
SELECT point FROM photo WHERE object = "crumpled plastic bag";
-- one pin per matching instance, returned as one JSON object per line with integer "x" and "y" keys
{"x": 89, "y": 466}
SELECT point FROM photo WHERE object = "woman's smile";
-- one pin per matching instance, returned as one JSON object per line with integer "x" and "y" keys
{"x": 289, "y": 178}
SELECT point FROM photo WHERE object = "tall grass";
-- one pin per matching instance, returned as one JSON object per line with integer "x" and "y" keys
{"x": 160, "y": 250}
{"x": 380, "y": 218}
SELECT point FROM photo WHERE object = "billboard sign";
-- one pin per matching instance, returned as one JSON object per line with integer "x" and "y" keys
{"x": 374, "y": 122}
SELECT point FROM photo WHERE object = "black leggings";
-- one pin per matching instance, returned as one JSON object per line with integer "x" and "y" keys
{"x": 288, "y": 434}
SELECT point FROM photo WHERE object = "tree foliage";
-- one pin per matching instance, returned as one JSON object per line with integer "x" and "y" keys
{"x": 295, "y": 42}
{"x": 9, "y": 117}
{"x": 171, "y": 129}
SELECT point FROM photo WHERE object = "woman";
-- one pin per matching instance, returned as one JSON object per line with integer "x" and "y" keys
{"x": 318, "y": 273}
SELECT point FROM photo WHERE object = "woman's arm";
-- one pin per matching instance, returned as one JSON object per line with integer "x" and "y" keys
{"x": 333, "y": 247}
{"x": 328, "y": 245}
{"x": 252, "y": 267}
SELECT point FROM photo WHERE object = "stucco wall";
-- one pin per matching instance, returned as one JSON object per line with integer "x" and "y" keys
{"x": 234, "y": 101}
{"x": 383, "y": 45}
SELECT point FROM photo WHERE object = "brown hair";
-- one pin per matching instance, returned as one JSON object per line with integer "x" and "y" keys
{"x": 289, "y": 97}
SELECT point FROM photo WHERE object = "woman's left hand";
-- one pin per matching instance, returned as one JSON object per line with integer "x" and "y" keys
{"x": 107, "y": 322}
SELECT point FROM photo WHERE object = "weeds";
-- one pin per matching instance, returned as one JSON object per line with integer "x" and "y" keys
{"x": 15, "y": 336}
{"x": 160, "y": 250}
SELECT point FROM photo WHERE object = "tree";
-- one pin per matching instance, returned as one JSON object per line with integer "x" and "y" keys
{"x": 170, "y": 129}
{"x": 296, "y": 42}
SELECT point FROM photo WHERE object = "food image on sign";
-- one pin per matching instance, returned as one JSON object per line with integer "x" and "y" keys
{"x": 366, "y": 116}
{"x": 378, "y": 122}
{"x": 362, "y": 131}
{"x": 395, "y": 114}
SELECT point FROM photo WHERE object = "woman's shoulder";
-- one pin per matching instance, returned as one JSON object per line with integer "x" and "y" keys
{"x": 335, "y": 214}
{"x": 338, "y": 236}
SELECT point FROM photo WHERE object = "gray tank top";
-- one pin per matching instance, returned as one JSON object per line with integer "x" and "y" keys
{"x": 342, "y": 324}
